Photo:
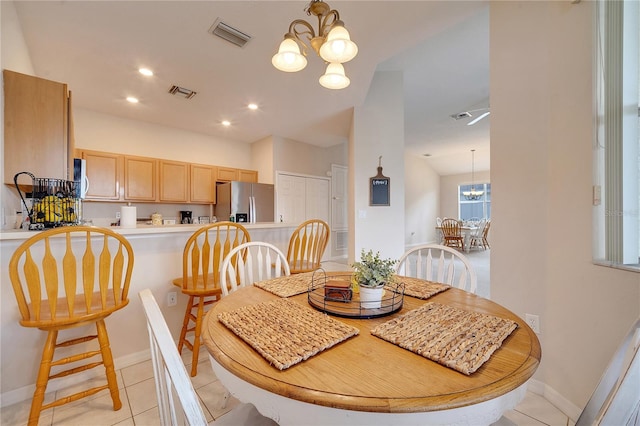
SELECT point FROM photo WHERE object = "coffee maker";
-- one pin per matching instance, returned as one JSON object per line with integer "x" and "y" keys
{"x": 186, "y": 216}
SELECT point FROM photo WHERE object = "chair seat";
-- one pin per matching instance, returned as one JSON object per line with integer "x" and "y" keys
{"x": 45, "y": 321}
{"x": 198, "y": 288}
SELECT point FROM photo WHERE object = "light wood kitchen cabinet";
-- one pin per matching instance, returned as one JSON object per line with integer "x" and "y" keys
{"x": 174, "y": 181}
{"x": 140, "y": 178}
{"x": 104, "y": 173}
{"x": 227, "y": 174}
{"x": 38, "y": 135}
{"x": 248, "y": 175}
{"x": 203, "y": 183}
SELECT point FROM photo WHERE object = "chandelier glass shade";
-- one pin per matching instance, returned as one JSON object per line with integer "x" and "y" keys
{"x": 473, "y": 194}
{"x": 289, "y": 58}
{"x": 334, "y": 77}
{"x": 331, "y": 41}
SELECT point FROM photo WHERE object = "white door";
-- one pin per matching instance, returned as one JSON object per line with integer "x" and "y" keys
{"x": 317, "y": 201}
{"x": 291, "y": 198}
{"x": 339, "y": 197}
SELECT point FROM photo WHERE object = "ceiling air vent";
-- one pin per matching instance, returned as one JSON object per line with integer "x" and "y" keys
{"x": 461, "y": 115}
{"x": 185, "y": 93}
{"x": 229, "y": 33}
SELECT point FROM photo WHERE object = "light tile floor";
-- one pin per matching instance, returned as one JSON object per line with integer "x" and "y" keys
{"x": 139, "y": 404}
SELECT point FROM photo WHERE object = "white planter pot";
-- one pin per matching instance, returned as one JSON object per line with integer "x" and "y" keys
{"x": 370, "y": 298}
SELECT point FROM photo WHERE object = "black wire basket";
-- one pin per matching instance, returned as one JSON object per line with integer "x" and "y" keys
{"x": 54, "y": 202}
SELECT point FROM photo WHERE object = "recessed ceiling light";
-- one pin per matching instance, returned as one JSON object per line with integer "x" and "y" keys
{"x": 226, "y": 123}
{"x": 132, "y": 99}
{"x": 146, "y": 71}
{"x": 252, "y": 106}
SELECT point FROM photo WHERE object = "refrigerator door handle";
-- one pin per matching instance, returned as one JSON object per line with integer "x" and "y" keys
{"x": 252, "y": 209}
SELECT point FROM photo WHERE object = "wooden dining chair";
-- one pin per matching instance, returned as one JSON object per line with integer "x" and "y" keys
{"x": 451, "y": 233}
{"x": 65, "y": 278}
{"x": 438, "y": 263}
{"x": 251, "y": 262}
{"x": 307, "y": 245}
{"x": 485, "y": 234}
{"x": 201, "y": 261}
{"x": 477, "y": 234}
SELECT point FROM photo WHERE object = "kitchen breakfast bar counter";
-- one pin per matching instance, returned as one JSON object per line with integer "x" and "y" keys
{"x": 157, "y": 260}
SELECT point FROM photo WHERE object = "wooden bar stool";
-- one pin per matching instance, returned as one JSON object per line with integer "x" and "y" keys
{"x": 201, "y": 261}
{"x": 65, "y": 278}
{"x": 307, "y": 245}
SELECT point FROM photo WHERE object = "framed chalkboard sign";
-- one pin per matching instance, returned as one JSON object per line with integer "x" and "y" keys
{"x": 379, "y": 188}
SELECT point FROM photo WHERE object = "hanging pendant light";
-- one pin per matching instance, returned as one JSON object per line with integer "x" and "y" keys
{"x": 331, "y": 41}
{"x": 473, "y": 194}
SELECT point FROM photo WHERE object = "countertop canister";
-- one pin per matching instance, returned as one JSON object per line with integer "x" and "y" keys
{"x": 156, "y": 219}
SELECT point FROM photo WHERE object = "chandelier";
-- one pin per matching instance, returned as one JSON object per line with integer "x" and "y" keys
{"x": 331, "y": 42}
{"x": 473, "y": 194}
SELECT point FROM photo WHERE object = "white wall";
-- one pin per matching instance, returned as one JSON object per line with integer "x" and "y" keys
{"x": 541, "y": 139}
{"x": 262, "y": 159}
{"x": 302, "y": 158}
{"x": 103, "y": 132}
{"x": 449, "y": 190}
{"x": 378, "y": 131}
{"x": 421, "y": 201}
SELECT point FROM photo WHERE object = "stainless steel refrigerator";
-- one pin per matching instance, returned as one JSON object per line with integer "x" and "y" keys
{"x": 247, "y": 202}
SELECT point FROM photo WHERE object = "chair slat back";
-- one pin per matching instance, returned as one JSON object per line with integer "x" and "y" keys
{"x": 249, "y": 263}
{"x": 56, "y": 280}
{"x": 438, "y": 263}
{"x": 451, "y": 227}
{"x": 307, "y": 245}
{"x": 205, "y": 251}
{"x": 177, "y": 398}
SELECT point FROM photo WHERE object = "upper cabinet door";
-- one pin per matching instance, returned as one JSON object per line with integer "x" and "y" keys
{"x": 248, "y": 175}
{"x": 227, "y": 174}
{"x": 174, "y": 181}
{"x": 36, "y": 127}
{"x": 139, "y": 178}
{"x": 203, "y": 184}
{"x": 104, "y": 172}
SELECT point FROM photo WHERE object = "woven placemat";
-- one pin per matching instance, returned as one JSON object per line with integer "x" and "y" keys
{"x": 458, "y": 339}
{"x": 285, "y": 332}
{"x": 287, "y": 286}
{"x": 421, "y": 289}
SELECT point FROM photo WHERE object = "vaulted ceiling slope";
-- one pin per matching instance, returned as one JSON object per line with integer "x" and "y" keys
{"x": 97, "y": 46}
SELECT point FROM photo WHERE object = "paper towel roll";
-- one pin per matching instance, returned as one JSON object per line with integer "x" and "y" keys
{"x": 128, "y": 217}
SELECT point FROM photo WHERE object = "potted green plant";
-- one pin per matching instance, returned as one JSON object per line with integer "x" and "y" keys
{"x": 371, "y": 273}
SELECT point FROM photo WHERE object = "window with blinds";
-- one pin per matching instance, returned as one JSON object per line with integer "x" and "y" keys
{"x": 617, "y": 145}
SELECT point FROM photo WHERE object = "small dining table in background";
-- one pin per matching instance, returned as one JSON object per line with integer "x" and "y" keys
{"x": 367, "y": 380}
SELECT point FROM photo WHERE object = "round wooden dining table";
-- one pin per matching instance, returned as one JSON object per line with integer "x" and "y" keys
{"x": 366, "y": 380}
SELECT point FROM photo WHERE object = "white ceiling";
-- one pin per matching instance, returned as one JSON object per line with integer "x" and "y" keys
{"x": 442, "y": 47}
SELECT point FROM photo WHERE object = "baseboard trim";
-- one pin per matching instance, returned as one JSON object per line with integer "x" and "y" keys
{"x": 557, "y": 400}
{"x": 26, "y": 392}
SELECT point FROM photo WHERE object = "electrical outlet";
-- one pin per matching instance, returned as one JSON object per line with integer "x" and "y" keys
{"x": 117, "y": 215}
{"x": 172, "y": 298}
{"x": 533, "y": 321}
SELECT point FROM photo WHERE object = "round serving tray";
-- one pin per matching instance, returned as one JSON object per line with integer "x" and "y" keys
{"x": 332, "y": 294}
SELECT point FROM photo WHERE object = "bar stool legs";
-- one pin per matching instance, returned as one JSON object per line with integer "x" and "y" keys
{"x": 107, "y": 359}
{"x": 43, "y": 377}
{"x": 194, "y": 347}
{"x": 44, "y": 372}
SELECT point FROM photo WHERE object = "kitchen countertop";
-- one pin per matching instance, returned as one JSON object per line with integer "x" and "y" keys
{"x": 19, "y": 234}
